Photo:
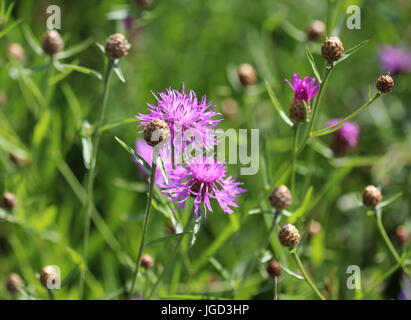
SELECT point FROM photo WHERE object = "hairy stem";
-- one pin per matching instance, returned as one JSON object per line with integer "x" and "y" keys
{"x": 146, "y": 219}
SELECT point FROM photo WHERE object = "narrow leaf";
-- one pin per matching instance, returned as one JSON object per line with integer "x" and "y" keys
{"x": 166, "y": 238}
{"x": 290, "y": 272}
{"x": 32, "y": 41}
{"x": 390, "y": 200}
{"x": 277, "y": 104}
{"x": 351, "y": 51}
{"x": 303, "y": 208}
{"x": 74, "y": 49}
{"x": 196, "y": 229}
{"x": 119, "y": 73}
{"x": 64, "y": 67}
{"x": 136, "y": 156}
{"x": 312, "y": 63}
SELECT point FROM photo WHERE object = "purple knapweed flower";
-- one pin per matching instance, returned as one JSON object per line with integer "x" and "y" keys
{"x": 189, "y": 119}
{"x": 128, "y": 22}
{"x": 394, "y": 59}
{"x": 203, "y": 180}
{"x": 349, "y": 133}
{"x": 347, "y": 136}
{"x": 304, "y": 89}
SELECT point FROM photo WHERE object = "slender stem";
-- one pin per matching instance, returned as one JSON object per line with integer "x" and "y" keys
{"x": 293, "y": 165}
{"x": 307, "y": 277}
{"x": 275, "y": 288}
{"x": 333, "y": 128}
{"x": 146, "y": 219}
{"x": 170, "y": 259}
{"x": 51, "y": 294}
{"x": 91, "y": 175}
{"x": 389, "y": 243}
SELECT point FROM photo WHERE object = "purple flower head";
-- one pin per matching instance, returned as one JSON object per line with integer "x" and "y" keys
{"x": 189, "y": 119}
{"x": 348, "y": 134}
{"x": 304, "y": 89}
{"x": 395, "y": 59}
{"x": 203, "y": 180}
{"x": 128, "y": 22}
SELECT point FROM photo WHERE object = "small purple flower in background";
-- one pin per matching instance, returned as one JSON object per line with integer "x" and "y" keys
{"x": 128, "y": 22}
{"x": 304, "y": 89}
{"x": 184, "y": 113}
{"x": 203, "y": 180}
{"x": 405, "y": 293}
{"x": 347, "y": 136}
{"x": 395, "y": 59}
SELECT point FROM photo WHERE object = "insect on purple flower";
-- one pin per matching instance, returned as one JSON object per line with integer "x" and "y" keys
{"x": 186, "y": 116}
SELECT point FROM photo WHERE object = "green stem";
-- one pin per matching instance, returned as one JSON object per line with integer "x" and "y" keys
{"x": 91, "y": 176}
{"x": 146, "y": 219}
{"x": 275, "y": 288}
{"x": 389, "y": 243}
{"x": 307, "y": 277}
{"x": 336, "y": 126}
{"x": 293, "y": 165}
{"x": 170, "y": 259}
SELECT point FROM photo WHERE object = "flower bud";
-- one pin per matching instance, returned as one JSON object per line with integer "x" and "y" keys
{"x": 403, "y": 235}
{"x": 385, "y": 84}
{"x": 315, "y": 228}
{"x": 156, "y": 132}
{"x": 371, "y": 196}
{"x": 247, "y": 74}
{"x": 316, "y": 30}
{"x": 9, "y": 201}
{"x": 117, "y": 46}
{"x": 13, "y": 282}
{"x": 332, "y": 49}
{"x": 48, "y": 276}
{"x": 147, "y": 261}
{"x": 52, "y": 43}
{"x": 280, "y": 198}
{"x": 297, "y": 110}
{"x": 229, "y": 108}
{"x": 289, "y": 236}
{"x": 16, "y": 52}
{"x": 274, "y": 269}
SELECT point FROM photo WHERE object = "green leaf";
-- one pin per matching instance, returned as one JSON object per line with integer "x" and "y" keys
{"x": 277, "y": 105}
{"x": 219, "y": 267}
{"x": 160, "y": 164}
{"x": 9, "y": 27}
{"x": 117, "y": 124}
{"x": 101, "y": 47}
{"x": 197, "y": 225}
{"x": 84, "y": 70}
{"x": 136, "y": 156}
{"x": 74, "y": 49}
{"x": 119, "y": 73}
{"x": 260, "y": 211}
{"x": 351, "y": 51}
{"x": 32, "y": 41}
{"x": 304, "y": 206}
{"x": 390, "y": 200}
{"x": 42, "y": 128}
{"x": 312, "y": 63}
{"x": 290, "y": 272}
{"x": 166, "y": 238}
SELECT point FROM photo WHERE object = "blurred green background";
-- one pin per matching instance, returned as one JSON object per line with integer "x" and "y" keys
{"x": 200, "y": 44}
